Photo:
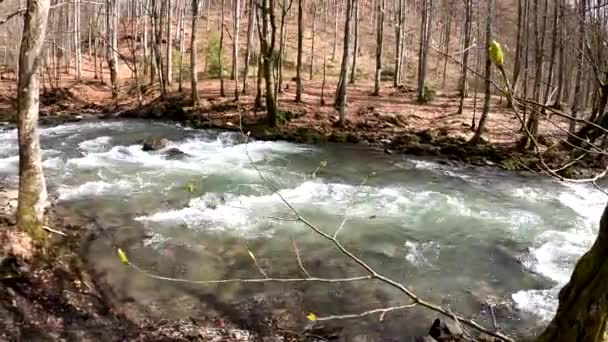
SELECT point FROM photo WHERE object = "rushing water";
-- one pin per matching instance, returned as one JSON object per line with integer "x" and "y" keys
{"x": 462, "y": 237}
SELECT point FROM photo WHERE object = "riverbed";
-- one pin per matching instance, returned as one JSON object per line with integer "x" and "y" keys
{"x": 465, "y": 237}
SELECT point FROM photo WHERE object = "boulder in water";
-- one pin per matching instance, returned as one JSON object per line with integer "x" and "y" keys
{"x": 446, "y": 331}
{"x": 155, "y": 144}
{"x": 175, "y": 153}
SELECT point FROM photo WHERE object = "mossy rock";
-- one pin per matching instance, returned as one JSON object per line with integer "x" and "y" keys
{"x": 308, "y": 136}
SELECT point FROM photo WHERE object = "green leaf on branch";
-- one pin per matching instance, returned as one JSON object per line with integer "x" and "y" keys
{"x": 496, "y": 54}
{"x": 123, "y": 256}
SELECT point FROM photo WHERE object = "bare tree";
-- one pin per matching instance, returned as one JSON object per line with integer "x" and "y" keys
{"x": 379, "y": 46}
{"x": 487, "y": 76}
{"x": 340, "y": 102}
{"x": 235, "y": 47}
{"x": 353, "y": 71}
{"x": 112, "y": 43}
{"x": 169, "y": 56}
{"x": 32, "y": 187}
{"x": 193, "y": 56}
{"x": 250, "y": 32}
{"x": 220, "y": 51}
{"x": 425, "y": 35}
{"x": 300, "y": 50}
{"x": 468, "y": 4}
{"x": 267, "y": 47}
{"x": 312, "y": 45}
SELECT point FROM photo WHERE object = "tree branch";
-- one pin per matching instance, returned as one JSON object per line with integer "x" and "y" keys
{"x": 12, "y": 15}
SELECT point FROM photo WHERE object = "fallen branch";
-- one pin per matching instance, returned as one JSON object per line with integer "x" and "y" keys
{"x": 382, "y": 313}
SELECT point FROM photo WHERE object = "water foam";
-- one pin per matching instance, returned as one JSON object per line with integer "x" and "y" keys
{"x": 93, "y": 189}
{"x": 556, "y": 252}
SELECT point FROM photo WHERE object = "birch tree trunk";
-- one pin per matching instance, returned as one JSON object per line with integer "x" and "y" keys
{"x": 32, "y": 187}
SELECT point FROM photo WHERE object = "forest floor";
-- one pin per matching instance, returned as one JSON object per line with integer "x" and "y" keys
{"x": 394, "y": 122}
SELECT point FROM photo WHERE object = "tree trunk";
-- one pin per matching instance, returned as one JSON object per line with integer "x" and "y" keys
{"x": 182, "y": 43}
{"x": 235, "y": 47}
{"x": 300, "y": 50}
{"x": 519, "y": 44}
{"x": 221, "y": 50}
{"x": 193, "y": 56}
{"x": 488, "y": 75}
{"x": 250, "y": 27}
{"x": 562, "y": 57}
{"x": 325, "y": 10}
{"x": 583, "y": 303}
{"x": 32, "y": 187}
{"x": 353, "y": 71}
{"x": 340, "y": 102}
{"x": 398, "y": 45}
{"x": 169, "y": 57}
{"x": 312, "y": 46}
{"x": 448, "y": 33}
{"x": 425, "y": 34}
{"x": 465, "y": 56}
{"x": 267, "y": 45}
{"x": 112, "y": 44}
{"x": 335, "y": 45}
{"x": 77, "y": 50}
{"x": 379, "y": 46}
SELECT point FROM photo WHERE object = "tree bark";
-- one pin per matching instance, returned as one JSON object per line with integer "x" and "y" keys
{"x": 32, "y": 187}
{"x": 77, "y": 50}
{"x": 235, "y": 47}
{"x": 112, "y": 44}
{"x": 169, "y": 56}
{"x": 221, "y": 50}
{"x": 267, "y": 45}
{"x": 488, "y": 75}
{"x": 425, "y": 35}
{"x": 300, "y": 50}
{"x": 583, "y": 303}
{"x": 379, "y": 46}
{"x": 353, "y": 71}
{"x": 193, "y": 56}
{"x": 340, "y": 102}
{"x": 465, "y": 56}
{"x": 250, "y": 27}
{"x": 312, "y": 46}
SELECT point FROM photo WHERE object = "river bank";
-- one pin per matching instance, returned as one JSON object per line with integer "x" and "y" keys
{"x": 379, "y": 123}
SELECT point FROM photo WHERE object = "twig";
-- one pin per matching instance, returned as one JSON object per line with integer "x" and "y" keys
{"x": 255, "y": 261}
{"x": 382, "y": 312}
{"x": 295, "y": 247}
{"x": 55, "y": 231}
{"x": 10, "y": 16}
{"x": 248, "y": 280}
{"x": 493, "y": 316}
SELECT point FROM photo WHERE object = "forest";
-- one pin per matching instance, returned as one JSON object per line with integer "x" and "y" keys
{"x": 303, "y": 170}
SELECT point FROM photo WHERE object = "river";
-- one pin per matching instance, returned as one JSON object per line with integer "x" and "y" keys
{"x": 464, "y": 237}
